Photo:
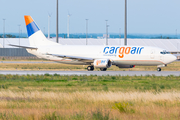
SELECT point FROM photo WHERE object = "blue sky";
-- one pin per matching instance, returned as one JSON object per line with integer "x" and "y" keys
{"x": 144, "y": 16}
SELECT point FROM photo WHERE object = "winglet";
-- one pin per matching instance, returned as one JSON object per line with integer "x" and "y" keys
{"x": 30, "y": 25}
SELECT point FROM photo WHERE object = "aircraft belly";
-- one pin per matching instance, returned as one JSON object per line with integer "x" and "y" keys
{"x": 138, "y": 62}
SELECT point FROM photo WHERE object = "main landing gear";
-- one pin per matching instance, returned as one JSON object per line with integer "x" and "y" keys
{"x": 90, "y": 68}
{"x": 103, "y": 69}
{"x": 158, "y": 69}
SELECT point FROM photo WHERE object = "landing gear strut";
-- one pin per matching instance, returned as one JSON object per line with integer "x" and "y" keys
{"x": 103, "y": 69}
{"x": 90, "y": 68}
{"x": 158, "y": 69}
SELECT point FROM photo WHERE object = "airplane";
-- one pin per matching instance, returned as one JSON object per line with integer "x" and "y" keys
{"x": 101, "y": 57}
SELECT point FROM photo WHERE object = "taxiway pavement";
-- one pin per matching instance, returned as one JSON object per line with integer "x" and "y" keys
{"x": 99, "y": 73}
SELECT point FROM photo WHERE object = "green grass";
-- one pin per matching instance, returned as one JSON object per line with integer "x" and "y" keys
{"x": 95, "y": 83}
{"x": 56, "y": 97}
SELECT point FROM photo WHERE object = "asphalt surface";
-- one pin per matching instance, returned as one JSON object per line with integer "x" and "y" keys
{"x": 46, "y": 62}
{"x": 99, "y": 73}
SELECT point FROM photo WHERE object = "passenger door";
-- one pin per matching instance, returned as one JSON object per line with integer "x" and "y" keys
{"x": 161, "y": 57}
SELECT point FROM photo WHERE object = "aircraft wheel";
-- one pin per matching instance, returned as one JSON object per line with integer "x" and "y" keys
{"x": 103, "y": 69}
{"x": 90, "y": 68}
{"x": 158, "y": 69}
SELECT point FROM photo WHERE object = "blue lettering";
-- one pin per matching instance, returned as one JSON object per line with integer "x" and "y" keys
{"x": 116, "y": 49}
{"x": 103, "y": 61}
{"x": 106, "y": 52}
{"x": 133, "y": 51}
{"x": 140, "y": 50}
{"x": 137, "y": 50}
{"x": 112, "y": 50}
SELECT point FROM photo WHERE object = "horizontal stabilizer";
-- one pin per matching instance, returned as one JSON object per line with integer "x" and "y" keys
{"x": 27, "y": 47}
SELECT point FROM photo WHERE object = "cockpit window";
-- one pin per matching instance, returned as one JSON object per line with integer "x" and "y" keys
{"x": 164, "y": 52}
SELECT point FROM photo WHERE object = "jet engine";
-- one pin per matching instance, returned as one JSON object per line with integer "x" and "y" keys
{"x": 125, "y": 66}
{"x": 102, "y": 63}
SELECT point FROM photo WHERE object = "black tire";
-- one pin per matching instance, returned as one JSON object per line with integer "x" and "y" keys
{"x": 90, "y": 68}
{"x": 159, "y": 69}
{"x": 103, "y": 69}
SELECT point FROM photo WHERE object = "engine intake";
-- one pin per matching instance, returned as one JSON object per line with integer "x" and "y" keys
{"x": 102, "y": 63}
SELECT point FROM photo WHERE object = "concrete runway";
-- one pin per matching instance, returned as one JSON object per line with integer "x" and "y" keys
{"x": 99, "y": 73}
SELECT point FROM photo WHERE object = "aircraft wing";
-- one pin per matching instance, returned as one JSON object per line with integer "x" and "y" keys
{"x": 27, "y": 47}
{"x": 83, "y": 59}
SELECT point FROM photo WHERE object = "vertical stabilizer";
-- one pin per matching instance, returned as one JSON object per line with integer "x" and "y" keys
{"x": 36, "y": 37}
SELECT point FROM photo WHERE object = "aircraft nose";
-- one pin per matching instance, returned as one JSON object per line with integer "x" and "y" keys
{"x": 173, "y": 58}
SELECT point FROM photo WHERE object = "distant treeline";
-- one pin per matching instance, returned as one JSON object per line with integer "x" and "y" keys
{"x": 100, "y": 35}
{"x": 8, "y": 36}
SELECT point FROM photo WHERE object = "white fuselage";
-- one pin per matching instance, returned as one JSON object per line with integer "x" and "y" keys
{"x": 119, "y": 55}
{"x": 101, "y": 57}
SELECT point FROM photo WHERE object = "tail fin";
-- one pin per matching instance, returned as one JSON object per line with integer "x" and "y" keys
{"x": 36, "y": 37}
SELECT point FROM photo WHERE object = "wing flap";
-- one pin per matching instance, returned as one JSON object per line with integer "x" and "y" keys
{"x": 84, "y": 59}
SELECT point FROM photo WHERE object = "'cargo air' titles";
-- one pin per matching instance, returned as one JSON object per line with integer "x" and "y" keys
{"x": 112, "y": 51}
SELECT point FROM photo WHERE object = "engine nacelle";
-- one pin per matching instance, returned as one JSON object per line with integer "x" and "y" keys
{"x": 102, "y": 63}
{"x": 125, "y": 66}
